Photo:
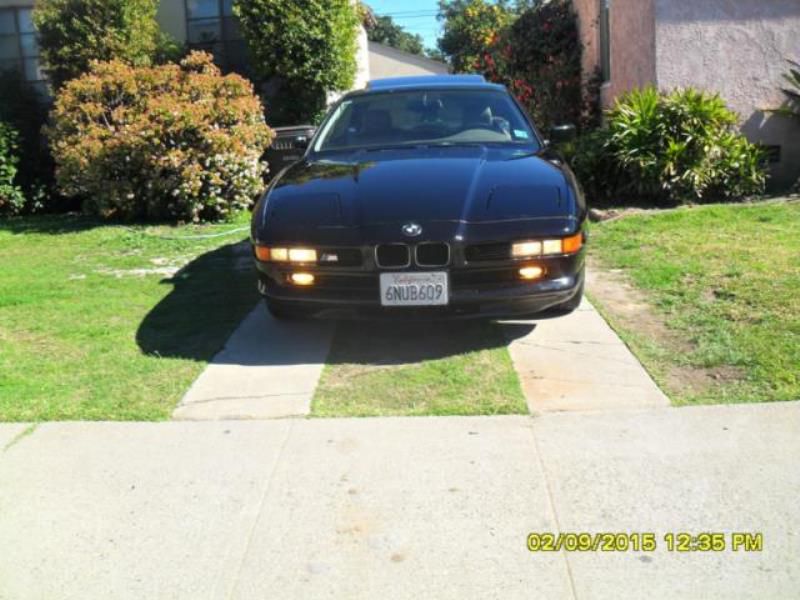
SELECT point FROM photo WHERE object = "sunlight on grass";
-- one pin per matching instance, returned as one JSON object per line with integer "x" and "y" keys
{"x": 724, "y": 278}
{"x": 112, "y": 322}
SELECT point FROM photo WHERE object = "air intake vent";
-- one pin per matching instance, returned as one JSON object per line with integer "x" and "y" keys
{"x": 433, "y": 254}
{"x": 392, "y": 256}
{"x": 486, "y": 252}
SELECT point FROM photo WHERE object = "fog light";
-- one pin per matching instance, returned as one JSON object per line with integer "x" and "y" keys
{"x": 523, "y": 249}
{"x": 531, "y": 272}
{"x": 302, "y": 278}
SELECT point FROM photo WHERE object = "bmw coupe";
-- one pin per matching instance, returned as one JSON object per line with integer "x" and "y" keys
{"x": 427, "y": 196}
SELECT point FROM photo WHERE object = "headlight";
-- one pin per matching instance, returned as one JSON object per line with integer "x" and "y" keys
{"x": 282, "y": 254}
{"x": 529, "y": 249}
{"x": 525, "y": 249}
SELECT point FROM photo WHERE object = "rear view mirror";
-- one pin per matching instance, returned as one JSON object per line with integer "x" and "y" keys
{"x": 561, "y": 134}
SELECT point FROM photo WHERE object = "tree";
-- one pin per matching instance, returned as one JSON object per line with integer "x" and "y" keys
{"x": 386, "y": 31}
{"x": 72, "y": 33}
{"x": 309, "y": 46}
{"x": 470, "y": 26}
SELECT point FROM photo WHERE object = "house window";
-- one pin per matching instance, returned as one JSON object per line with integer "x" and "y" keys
{"x": 212, "y": 26}
{"x": 605, "y": 39}
{"x": 19, "y": 46}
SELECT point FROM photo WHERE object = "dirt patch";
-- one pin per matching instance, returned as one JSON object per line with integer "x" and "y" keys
{"x": 628, "y": 310}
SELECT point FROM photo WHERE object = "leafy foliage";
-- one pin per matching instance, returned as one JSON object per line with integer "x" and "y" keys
{"x": 12, "y": 199}
{"x": 469, "y": 28}
{"x": 669, "y": 148}
{"x": 536, "y": 53}
{"x": 792, "y": 108}
{"x": 22, "y": 108}
{"x": 174, "y": 141}
{"x": 386, "y": 31}
{"x": 310, "y": 46}
{"x": 72, "y": 33}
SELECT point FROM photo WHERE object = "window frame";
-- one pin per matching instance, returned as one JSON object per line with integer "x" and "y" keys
{"x": 22, "y": 57}
{"x": 225, "y": 40}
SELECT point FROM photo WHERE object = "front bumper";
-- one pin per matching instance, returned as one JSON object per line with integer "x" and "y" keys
{"x": 485, "y": 291}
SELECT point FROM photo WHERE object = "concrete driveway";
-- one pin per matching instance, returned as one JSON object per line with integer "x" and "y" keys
{"x": 270, "y": 369}
{"x": 399, "y": 508}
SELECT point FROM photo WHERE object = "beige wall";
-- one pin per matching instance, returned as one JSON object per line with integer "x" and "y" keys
{"x": 390, "y": 62}
{"x": 172, "y": 18}
{"x": 633, "y": 48}
{"x": 739, "y": 49}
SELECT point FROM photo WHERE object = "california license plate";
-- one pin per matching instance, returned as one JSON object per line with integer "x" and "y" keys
{"x": 414, "y": 289}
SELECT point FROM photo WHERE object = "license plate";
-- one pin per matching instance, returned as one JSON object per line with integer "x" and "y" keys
{"x": 414, "y": 289}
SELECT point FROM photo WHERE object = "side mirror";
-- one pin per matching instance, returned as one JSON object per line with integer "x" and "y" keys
{"x": 300, "y": 142}
{"x": 561, "y": 134}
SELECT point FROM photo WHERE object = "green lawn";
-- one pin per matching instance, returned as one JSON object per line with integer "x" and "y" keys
{"x": 96, "y": 321}
{"x": 725, "y": 281}
{"x": 381, "y": 369}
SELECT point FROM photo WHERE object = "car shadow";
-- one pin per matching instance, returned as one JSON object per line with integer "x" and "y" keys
{"x": 207, "y": 301}
{"x": 392, "y": 343}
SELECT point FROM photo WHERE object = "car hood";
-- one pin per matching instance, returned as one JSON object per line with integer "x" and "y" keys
{"x": 449, "y": 189}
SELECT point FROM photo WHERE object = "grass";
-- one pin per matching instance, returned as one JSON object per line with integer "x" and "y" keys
{"x": 726, "y": 283}
{"x": 416, "y": 369}
{"x": 95, "y": 322}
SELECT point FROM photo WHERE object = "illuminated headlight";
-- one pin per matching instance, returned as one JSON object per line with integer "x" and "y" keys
{"x": 302, "y": 255}
{"x": 526, "y": 249}
{"x": 551, "y": 247}
{"x": 281, "y": 254}
{"x": 569, "y": 245}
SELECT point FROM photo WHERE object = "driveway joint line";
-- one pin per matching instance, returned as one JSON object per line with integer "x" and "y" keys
{"x": 551, "y": 503}
{"x": 267, "y": 485}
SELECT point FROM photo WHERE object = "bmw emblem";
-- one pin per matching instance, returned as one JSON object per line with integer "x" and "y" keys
{"x": 412, "y": 229}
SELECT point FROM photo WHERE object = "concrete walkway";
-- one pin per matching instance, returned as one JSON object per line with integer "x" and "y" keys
{"x": 268, "y": 369}
{"x": 399, "y": 508}
{"x": 578, "y": 362}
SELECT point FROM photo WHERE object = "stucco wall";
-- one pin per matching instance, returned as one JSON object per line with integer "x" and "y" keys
{"x": 739, "y": 49}
{"x": 633, "y": 49}
{"x": 171, "y": 17}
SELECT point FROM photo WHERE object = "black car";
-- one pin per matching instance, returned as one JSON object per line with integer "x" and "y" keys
{"x": 426, "y": 196}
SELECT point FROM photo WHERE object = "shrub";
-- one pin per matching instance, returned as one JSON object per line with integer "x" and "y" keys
{"x": 310, "y": 46}
{"x": 22, "y": 108}
{"x": 173, "y": 141}
{"x": 72, "y": 33}
{"x": 12, "y": 200}
{"x": 669, "y": 148}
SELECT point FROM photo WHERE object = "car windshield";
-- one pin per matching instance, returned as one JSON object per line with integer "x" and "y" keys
{"x": 417, "y": 117}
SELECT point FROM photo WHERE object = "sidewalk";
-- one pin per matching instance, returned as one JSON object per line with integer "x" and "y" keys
{"x": 399, "y": 508}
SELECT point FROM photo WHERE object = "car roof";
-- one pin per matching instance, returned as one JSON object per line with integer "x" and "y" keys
{"x": 429, "y": 82}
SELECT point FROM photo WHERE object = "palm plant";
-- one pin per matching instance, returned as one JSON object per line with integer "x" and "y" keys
{"x": 792, "y": 106}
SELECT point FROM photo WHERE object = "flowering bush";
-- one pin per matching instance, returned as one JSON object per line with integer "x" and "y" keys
{"x": 469, "y": 28}
{"x": 168, "y": 142}
{"x": 538, "y": 57}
